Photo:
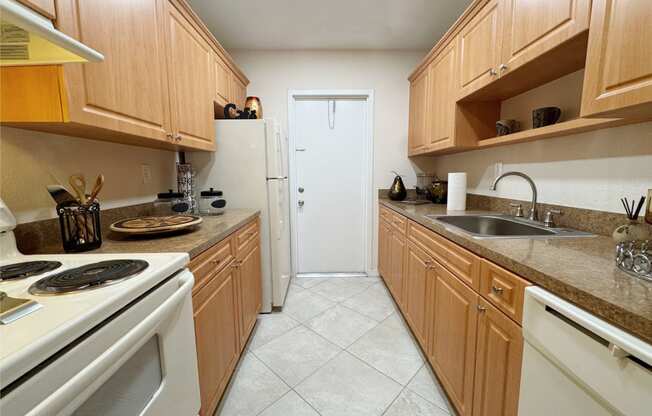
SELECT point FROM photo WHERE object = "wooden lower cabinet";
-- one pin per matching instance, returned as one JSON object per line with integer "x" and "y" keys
{"x": 397, "y": 254}
{"x": 216, "y": 329}
{"x": 452, "y": 350}
{"x": 417, "y": 293}
{"x": 499, "y": 353}
{"x": 473, "y": 342}
{"x": 226, "y": 302}
{"x": 249, "y": 282}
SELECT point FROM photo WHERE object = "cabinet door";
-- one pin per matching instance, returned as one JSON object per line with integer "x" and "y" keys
{"x": 479, "y": 49}
{"x": 128, "y": 92}
{"x": 216, "y": 331}
{"x": 190, "y": 63}
{"x": 384, "y": 235}
{"x": 222, "y": 81}
{"x": 441, "y": 98}
{"x": 418, "y": 113}
{"x": 44, "y": 7}
{"x": 250, "y": 288}
{"x": 417, "y": 292}
{"x": 498, "y": 363}
{"x": 452, "y": 352}
{"x": 531, "y": 28}
{"x": 618, "y": 75}
{"x": 238, "y": 92}
{"x": 397, "y": 265}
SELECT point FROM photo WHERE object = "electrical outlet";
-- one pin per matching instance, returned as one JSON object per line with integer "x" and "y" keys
{"x": 147, "y": 174}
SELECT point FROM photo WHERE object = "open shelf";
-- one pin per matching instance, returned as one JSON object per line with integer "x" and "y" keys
{"x": 574, "y": 126}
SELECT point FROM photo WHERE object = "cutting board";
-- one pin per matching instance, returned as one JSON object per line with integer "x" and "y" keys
{"x": 154, "y": 225}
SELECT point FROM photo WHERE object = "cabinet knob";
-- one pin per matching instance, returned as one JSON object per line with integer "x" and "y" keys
{"x": 502, "y": 67}
{"x": 169, "y": 136}
{"x": 497, "y": 290}
{"x": 216, "y": 262}
{"x": 481, "y": 308}
{"x": 492, "y": 72}
{"x": 177, "y": 137}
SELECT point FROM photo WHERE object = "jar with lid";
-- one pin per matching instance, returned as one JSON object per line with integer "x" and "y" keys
{"x": 172, "y": 202}
{"x": 211, "y": 202}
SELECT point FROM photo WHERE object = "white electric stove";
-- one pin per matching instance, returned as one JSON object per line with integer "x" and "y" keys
{"x": 108, "y": 334}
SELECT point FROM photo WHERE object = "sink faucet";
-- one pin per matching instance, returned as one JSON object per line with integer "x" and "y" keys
{"x": 533, "y": 209}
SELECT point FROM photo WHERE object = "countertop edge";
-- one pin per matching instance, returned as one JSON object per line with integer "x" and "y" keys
{"x": 205, "y": 245}
{"x": 602, "y": 308}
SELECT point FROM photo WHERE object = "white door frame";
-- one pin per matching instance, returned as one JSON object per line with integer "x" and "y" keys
{"x": 368, "y": 151}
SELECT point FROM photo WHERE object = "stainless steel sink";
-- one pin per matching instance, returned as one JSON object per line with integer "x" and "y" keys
{"x": 503, "y": 226}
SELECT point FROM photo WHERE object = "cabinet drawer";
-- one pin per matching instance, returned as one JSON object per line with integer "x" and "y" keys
{"x": 504, "y": 289}
{"x": 461, "y": 262}
{"x": 399, "y": 223}
{"x": 245, "y": 235}
{"x": 385, "y": 214}
{"x": 212, "y": 261}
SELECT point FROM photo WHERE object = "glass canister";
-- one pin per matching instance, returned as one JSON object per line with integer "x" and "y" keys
{"x": 172, "y": 202}
{"x": 211, "y": 202}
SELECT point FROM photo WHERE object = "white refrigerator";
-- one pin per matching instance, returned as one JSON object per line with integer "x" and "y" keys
{"x": 250, "y": 166}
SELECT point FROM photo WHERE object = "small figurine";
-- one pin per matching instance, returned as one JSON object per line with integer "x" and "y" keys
{"x": 231, "y": 111}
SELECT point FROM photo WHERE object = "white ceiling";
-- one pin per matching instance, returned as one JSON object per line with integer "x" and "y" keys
{"x": 328, "y": 24}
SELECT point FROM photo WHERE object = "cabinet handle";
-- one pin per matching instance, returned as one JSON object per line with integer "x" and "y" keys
{"x": 236, "y": 264}
{"x": 169, "y": 136}
{"x": 481, "y": 308}
{"x": 177, "y": 137}
{"x": 502, "y": 67}
{"x": 430, "y": 265}
{"x": 497, "y": 290}
{"x": 216, "y": 262}
{"x": 492, "y": 72}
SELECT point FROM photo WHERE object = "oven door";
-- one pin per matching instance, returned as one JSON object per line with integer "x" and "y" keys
{"x": 149, "y": 369}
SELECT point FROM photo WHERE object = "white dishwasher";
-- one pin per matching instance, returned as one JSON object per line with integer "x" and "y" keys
{"x": 575, "y": 364}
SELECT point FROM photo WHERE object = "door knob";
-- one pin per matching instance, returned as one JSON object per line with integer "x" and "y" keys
{"x": 301, "y": 203}
{"x": 301, "y": 190}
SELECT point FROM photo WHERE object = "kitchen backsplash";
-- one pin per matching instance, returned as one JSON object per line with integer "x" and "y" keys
{"x": 31, "y": 160}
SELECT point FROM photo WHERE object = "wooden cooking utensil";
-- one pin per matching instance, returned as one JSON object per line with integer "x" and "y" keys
{"x": 78, "y": 183}
{"x": 99, "y": 182}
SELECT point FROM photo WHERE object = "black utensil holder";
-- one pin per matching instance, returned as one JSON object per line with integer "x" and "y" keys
{"x": 80, "y": 226}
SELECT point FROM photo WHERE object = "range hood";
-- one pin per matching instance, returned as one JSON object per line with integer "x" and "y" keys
{"x": 27, "y": 38}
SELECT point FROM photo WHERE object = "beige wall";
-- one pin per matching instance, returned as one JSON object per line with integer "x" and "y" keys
{"x": 589, "y": 170}
{"x": 28, "y": 159}
{"x": 273, "y": 73}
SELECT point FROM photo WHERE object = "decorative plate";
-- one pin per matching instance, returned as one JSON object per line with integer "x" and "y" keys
{"x": 153, "y": 225}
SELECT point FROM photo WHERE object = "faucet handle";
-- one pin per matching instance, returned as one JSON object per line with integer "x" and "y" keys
{"x": 548, "y": 220}
{"x": 519, "y": 209}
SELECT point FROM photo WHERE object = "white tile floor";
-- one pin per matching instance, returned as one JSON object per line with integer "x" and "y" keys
{"x": 339, "y": 348}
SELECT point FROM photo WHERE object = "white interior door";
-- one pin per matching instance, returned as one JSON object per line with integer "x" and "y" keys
{"x": 330, "y": 185}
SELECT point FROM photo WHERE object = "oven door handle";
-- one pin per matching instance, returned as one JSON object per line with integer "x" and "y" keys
{"x": 80, "y": 387}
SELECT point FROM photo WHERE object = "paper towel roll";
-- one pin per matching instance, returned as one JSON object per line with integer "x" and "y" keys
{"x": 456, "y": 191}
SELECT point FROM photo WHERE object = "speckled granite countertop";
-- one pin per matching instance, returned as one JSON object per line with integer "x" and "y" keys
{"x": 212, "y": 230}
{"x": 580, "y": 270}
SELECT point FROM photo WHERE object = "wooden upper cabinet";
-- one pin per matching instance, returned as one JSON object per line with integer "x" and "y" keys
{"x": 191, "y": 80}
{"x": 532, "y": 28}
{"x": 498, "y": 363}
{"x": 618, "y": 75}
{"x": 452, "y": 351}
{"x": 479, "y": 49}
{"x": 417, "y": 135}
{"x": 44, "y": 7}
{"x": 238, "y": 92}
{"x": 222, "y": 81}
{"x": 128, "y": 92}
{"x": 442, "y": 95}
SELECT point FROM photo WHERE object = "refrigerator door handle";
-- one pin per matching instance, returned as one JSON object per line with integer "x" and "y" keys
{"x": 277, "y": 178}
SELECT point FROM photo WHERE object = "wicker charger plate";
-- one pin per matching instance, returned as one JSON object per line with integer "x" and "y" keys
{"x": 154, "y": 225}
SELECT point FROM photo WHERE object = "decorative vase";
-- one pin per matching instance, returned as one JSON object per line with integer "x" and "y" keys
{"x": 632, "y": 231}
{"x": 253, "y": 104}
{"x": 397, "y": 191}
